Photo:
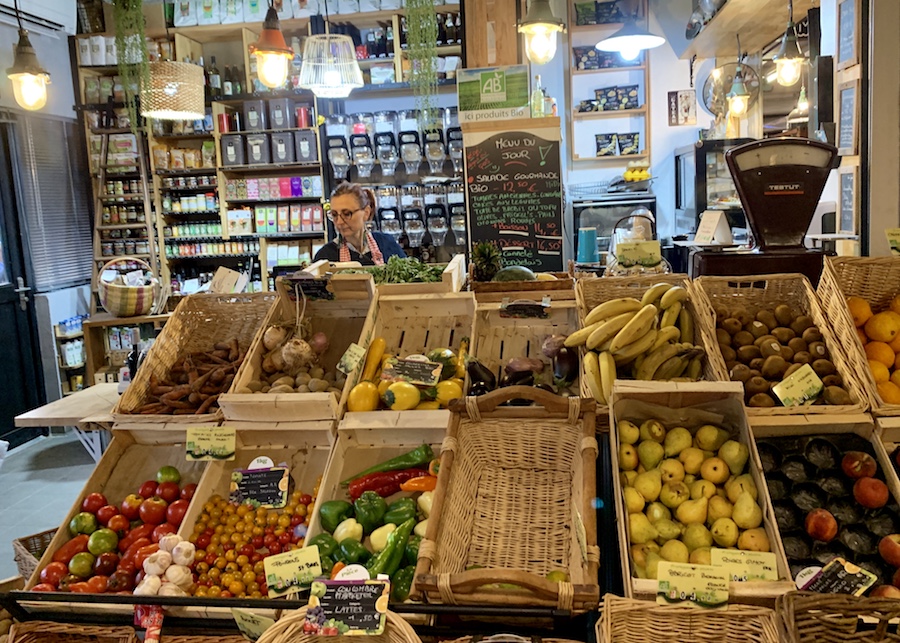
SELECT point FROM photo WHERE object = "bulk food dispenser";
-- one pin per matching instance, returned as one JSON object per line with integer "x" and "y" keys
{"x": 779, "y": 182}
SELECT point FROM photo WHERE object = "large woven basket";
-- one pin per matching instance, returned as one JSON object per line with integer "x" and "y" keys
{"x": 628, "y": 620}
{"x": 289, "y": 629}
{"x": 875, "y": 279}
{"x": 837, "y": 618}
{"x": 127, "y": 301}
{"x": 48, "y": 632}
{"x": 197, "y": 324}
{"x": 27, "y": 551}
{"x": 514, "y": 500}
{"x": 767, "y": 291}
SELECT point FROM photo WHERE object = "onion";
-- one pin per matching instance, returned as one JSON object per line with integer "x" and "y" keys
{"x": 296, "y": 354}
{"x": 319, "y": 343}
{"x": 552, "y": 344}
{"x": 274, "y": 337}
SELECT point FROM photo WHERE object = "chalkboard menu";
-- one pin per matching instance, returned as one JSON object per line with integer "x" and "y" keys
{"x": 848, "y": 202}
{"x": 514, "y": 194}
{"x": 846, "y": 34}
{"x": 268, "y": 487}
{"x": 348, "y": 607}
{"x": 847, "y": 123}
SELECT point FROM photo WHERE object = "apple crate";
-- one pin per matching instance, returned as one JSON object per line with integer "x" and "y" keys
{"x": 875, "y": 279}
{"x": 411, "y": 324}
{"x": 341, "y": 319}
{"x": 754, "y": 293}
{"x": 453, "y": 278}
{"x": 691, "y": 405}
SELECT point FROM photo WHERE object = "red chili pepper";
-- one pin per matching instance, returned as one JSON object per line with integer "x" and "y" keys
{"x": 385, "y": 483}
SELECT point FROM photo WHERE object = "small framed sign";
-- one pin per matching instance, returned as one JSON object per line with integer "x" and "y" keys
{"x": 848, "y": 118}
{"x": 847, "y": 203}
{"x": 847, "y": 33}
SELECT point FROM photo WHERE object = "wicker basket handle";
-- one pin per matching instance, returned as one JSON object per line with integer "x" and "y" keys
{"x": 116, "y": 260}
{"x": 490, "y": 401}
{"x": 470, "y": 581}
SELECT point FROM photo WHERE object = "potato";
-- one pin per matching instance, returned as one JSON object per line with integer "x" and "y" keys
{"x": 287, "y": 380}
{"x": 317, "y": 385}
{"x": 756, "y": 385}
{"x": 330, "y": 377}
{"x": 281, "y": 388}
{"x": 784, "y": 314}
{"x": 823, "y": 367}
{"x": 301, "y": 379}
{"x": 728, "y": 353}
{"x": 740, "y": 373}
{"x": 255, "y": 386}
{"x": 833, "y": 380}
{"x": 764, "y": 339}
{"x": 801, "y": 323}
{"x": 742, "y": 338}
{"x": 761, "y": 400}
{"x": 811, "y": 335}
{"x": 774, "y": 367}
{"x": 770, "y": 348}
{"x": 836, "y": 395}
{"x": 758, "y": 329}
{"x": 336, "y": 391}
{"x": 731, "y": 325}
{"x": 748, "y": 353}
{"x": 723, "y": 337}
{"x": 742, "y": 315}
{"x": 767, "y": 318}
{"x": 274, "y": 377}
{"x": 303, "y": 389}
{"x": 244, "y": 390}
{"x": 317, "y": 372}
{"x": 798, "y": 345}
{"x": 802, "y": 357}
{"x": 265, "y": 389}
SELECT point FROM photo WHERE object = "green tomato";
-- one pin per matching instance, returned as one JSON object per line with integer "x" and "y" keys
{"x": 168, "y": 473}
{"x": 102, "y": 541}
{"x": 82, "y": 565}
{"x": 83, "y": 523}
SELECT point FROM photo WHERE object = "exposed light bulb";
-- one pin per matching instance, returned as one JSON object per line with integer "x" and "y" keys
{"x": 29, "y": 90}
{"x": 629, "y": 53}
{"x": 332, "y": 77}
{"x": 737, "y": 105}
{"x": 272, "y": 68}
{"x": 788, "y": 71}
{"x": 540, "y": 46}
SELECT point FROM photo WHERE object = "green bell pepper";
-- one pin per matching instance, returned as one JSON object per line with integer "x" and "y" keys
{"x": 412, "y": 550}
{"x": 326, "y": 544}
{"x": 352, "y": 551}
{"x": 333, "y": 513}
{"x": 399, "y": 512}
{"x": 401, "y": 583}
{"x": 388, "y": 560}
{"x": 327, "y": 565}
{"x": 370, "y": 509}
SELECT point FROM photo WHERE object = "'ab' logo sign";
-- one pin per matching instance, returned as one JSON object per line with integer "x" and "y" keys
{"x": 493, "y": 87}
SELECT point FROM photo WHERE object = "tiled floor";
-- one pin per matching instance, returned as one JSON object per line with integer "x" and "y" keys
{"x": 38, "y": 484}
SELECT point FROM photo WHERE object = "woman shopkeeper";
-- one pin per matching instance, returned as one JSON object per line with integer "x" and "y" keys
{"x": 351, "y": 207}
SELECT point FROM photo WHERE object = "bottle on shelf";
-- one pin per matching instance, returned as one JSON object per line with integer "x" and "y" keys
{"x": 548, "y": 103}
{"x": 390, "y": 41}
{"x": 371, "y": 47}
{"x": 404, "y": 32}
{"x": 459, "y": 29}
{"x": 237, "y": 80}
{"x": 215, "y": 80}
{"x": 537, "y": 98}
{"x": 441, "y": 33}
{"x": 227, "y": 83}
{"x": 449, "y": 30}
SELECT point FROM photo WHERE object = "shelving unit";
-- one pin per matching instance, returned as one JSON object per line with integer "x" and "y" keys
{"x": 68, "y": 372}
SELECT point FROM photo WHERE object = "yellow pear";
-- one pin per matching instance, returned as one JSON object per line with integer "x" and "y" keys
{"x": 672, "y": 470}
{"x": 673, "y": 494}
{"x": 667, "y": 530}
{"x": 691, "y": 511}
{"x": 628, "y": 457}
{"x": 634, "y": 501}
{"x": 649, "y": 484}
{"x": 710, "y": 438}
{"x": 689, "y": 479}
{"x": 629, "y": 433}
{"x": 700, "y": 556}
{"x": 719, "y": 507}
{"x": 639, "y": 572}
{"x": 702, "y": 489}
{"x": 735, "y": 456}
{"x": 639, "y": 553}
{"x": 715, "y": 470}
{"x": 677, "y": 440}
{"x": 746, "y": 513}
{"x": 724, "y": 532}
{"x": 674, "y": 551}
{"x": 742, "y": 483}
{"x": 657, "y": 511}
{"x": 653, "y": 430}
{"x": 692, "y": 458}
{"x": 640, "y": 530}
{"x": 628, "y": 477}
{"x": 696, "y": 536}
{"x": 650, "y": 454}
{"x": 652, "y": 568}
{"x": 754, "y": 540}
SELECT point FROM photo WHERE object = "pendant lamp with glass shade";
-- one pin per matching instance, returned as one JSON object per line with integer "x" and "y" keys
{"x": 330, "y": 68}
{"x": 738, "y": 96}
{"x": 174, "y": 93}
{"x": 540, "y": 27}
{"x": 29, "y": 79}
{"x": 789, "y": 59}
{"x": 273, "y": 56}
{"x": 631, "y": 39}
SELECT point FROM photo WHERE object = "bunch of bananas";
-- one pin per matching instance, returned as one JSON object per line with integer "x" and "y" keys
{"x": 647, "y": 339}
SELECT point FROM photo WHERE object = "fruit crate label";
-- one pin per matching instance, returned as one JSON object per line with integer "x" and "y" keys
{"x": 893, "y": 237}
{"x": 698, "y": 585}
{"x": 525, "y": 308}
{"x": 741, "y": 566}
{"x": 351, "y": 359}
{"x": 802, "y": 387}
{"x": 311, "y": 288}
{"x": 261, "y": 487}
{"x": 414, "y": 371}
{"x": 209, "y": 443}
{"x": 841, "y": 577}
{"x": 638, "y": 253}
{"x": 351, "y": 608}
{"x": 251, "y": 625}
{"x": 290, "y": 572}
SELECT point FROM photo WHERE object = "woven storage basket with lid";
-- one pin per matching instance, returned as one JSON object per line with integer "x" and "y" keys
{"x": 838, "y": 618}
{"x": 28, "y": 551}
{"x": 127, "y": 301}
{"x": 49, "y": 632}
{"x": 289, "y": 629}
{"x": 514, "y": 503}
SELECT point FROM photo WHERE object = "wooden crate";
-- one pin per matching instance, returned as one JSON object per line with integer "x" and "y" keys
{"x": 197, "y": 324}
{"x": 453, "y": 278}
{"x": 341, "y": 319}
{"x": 411, "y": 324}
{"x": 688, "y": 404}
{"x": 493, "y": 291}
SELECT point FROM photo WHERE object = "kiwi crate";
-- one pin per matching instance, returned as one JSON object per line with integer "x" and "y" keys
{"x": 875, "y": 279}
{"x": 752, "y": 297}
{"x": 691, "y": 405}
{"x": 341, "y": 319}
{"x": 198, "y": 323}
{"x": 803, "y": 469}
{"x": 409, "y": 325}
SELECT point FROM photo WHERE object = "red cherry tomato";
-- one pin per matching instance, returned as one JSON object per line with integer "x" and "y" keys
{"x": 274, "y": 548}
{"x": 168, "y": 491}
{"x": 285, "y": 538}
{"x": 105, "y": 513}
{"x": 43, "y": 587}
{"x": 92, "y": 502}
{"x": 176, "y": 511}
{"x": 119, "y": 524}
{"x": 202, "y": 541}
{"x": 246, "y": 550}
{"x": 153, "y": 511}
{"x": 257, "y": 542}
{"x": 188, "y": 491}
{"x": 305, "y": 499}
{"x": 98, "y": 584}
{"x": 52, "y": 573}
{"x": 162, "y": 530}
{"x": 148, "y": 489}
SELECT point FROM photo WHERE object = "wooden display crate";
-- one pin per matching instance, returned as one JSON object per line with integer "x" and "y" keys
{"x": 563, "y": 287}
{"x": 411, "y": 324}
{"x": 689, "y": 405}
{"x": 453, "y": 278}
{"x": 341, "y": 319}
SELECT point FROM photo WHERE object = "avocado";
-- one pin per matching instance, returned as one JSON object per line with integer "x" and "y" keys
{"x": 514, "y": 273}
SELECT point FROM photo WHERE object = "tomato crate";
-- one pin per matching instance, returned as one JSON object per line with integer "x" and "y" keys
{"x": 410, "y": 325}
{"x": 341, "y": 319}
{"x": 691, "y": 405}
{"x": 453, "y": 278}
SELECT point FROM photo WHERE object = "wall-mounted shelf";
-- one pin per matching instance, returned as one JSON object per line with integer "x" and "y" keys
{"x": 608, "y": 26}
{"x": 611, "y": 113}
{"x": 607, "y": 70}
{"x": 268, "y": 167}
{"x": 620, "y": 158}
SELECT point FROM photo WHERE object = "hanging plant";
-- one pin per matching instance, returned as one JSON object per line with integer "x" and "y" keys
{"x": 421, "y": 22}
{"x": 132, "y": 54}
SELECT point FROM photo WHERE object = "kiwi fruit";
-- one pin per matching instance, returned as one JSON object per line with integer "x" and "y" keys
{"x": 761, "y": 400}
{"x": 756, "y": 385}
{"x": 758, "y": 329}
{"x": 783, "y": 335}
{"x": 811, "y": 335}
{"x": 784, "y": 314}
{"x": 742, "y": 315}
{"x": 836, "y": 395}
{"x": 721, "y": 313}
{"x": 770, "y": 348}
{"x": 765, "y": 339}
{"x": 756, "y": 363}
{"x": 818, "y": 350}
{"x": 793, "y": 368}
{"x": 801, "y": 323}
{"x": 728, "y": 353}
{"x": 802, "y": 357}
{"x": 731, "y": 325}
{"x": 798, "y": 345}
{"x": 787, "y": 353}
{"x": 747, "y": 354}
{"x": 730, "y": 365}
{"x": 823, "y": 367}
{"x": 740, "y": 373}
{"x": 774, "y": 367}
{"x": 754, "y": 372}
{"x": 833, "y": 380}
{"x": 767, "y": 317}
{"x": 743, "y": 338}
{"x": 723, "y": 337}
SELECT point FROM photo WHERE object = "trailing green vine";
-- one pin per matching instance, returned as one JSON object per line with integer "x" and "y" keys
{"x": 132, "y": 54}
{"x": 421, "y": 22}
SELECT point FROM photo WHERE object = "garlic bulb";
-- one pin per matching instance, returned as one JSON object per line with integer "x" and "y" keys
{"x": 183, "y": 553}
{"x": 171, "y": 589}
{"x": 168, "y": 542}
{"x": 157, "y": 563}
{"x": 149, "y": 586}
{"x": 179, "y": 575}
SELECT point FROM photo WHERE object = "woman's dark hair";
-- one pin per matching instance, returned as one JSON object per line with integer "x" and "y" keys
{"x": 365, "y": 196}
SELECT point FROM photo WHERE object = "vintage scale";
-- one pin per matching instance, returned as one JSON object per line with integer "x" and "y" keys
{"x": 779, "y": 181}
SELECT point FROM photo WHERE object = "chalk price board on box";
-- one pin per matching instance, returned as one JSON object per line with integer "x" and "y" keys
{"x": 348, "y": 607}
{"x": 267, "y": 486}
{"x": 514, "y": 192}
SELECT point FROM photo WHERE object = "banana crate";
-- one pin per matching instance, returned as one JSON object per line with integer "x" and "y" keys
{"x": 622, "y": 338}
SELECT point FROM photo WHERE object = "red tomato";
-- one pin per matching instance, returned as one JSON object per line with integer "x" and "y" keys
{"x": 274, "y": 548}
{"x": 153, "y": 511}
{"x": 246, "y": 550}
{"x": 119, "y": 524}
{"x": 211, "y": 558}
{"x": 148, "y": 489}
{"x": 226, "y": 594}
{"x": 168, "y": 491}
{"x": 261, "y": 580}
{"x": 256, "y": 541}
{"x": 268, "y": 539}
{"x": 131, "y": 552}
{"x": 121, "y": 581}
{"x": 256, "y": 557}
{"x": 92, "y": 502}
{"x": 296, "y": 519}
{"x": 202, "y": 541}
{"x": 74, "y": 546}
{"x": 52, "y": 573}
{"x": 136, "y": 533}
{"x": 228, "y": 546}
{"x": 305, "y": 499}
{"x": 105, "y": 513}
{"x": 43, "y": 587}
{"x": 175, "y": 511}
{"x": 162, "y": 530}
{"x": 106, "y": 563}
{"x": 144, "y": 553}
{"x": 188, "y": 491}
{"x": 285, "y": 538}
{"x": 131, "y": 505}
{"x": 79, "y": 588}
{"x": 98, "y": 584}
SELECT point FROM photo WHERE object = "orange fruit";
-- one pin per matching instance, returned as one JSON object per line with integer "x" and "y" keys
{"x": 863, "y": 338}
{"x": 895, "y": 304}
{"x": 880, "y": 352}
{"x": 884, "y": 326}
{"x": 860, "y": 310}
{"x": 895, "y": 344}
{"x": 879, "y": 371}
{"x": 895, "y": 377}
{"x": 889, "y": 392}
{"x": 897, "y": 363}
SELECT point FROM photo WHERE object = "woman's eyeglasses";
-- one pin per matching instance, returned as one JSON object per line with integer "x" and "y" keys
{"x": 344, "y": 215}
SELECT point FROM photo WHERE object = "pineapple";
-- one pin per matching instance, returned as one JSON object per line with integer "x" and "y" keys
{"x": 486, "y": 260}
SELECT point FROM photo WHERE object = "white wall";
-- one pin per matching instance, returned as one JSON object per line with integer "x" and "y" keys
{"x": 53, "y": 54}
{"x": 52, "y": 308}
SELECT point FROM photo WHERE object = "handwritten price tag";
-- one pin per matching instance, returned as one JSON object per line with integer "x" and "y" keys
{"x": 352, "y": 358}
{"x": 745, "y": 565}
{"x": 893, "y": 237}
{"x": 802, "y": 387}
{"x": 347, "y": 607}
{"x": 698, "y": 585}
{"x": 209, "y": 443}
{"x": 287, "y": 573}
{"x": 251, "y": 625}
{"x": 638, "y": 253}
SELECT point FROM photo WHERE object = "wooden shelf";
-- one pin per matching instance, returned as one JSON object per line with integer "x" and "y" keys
{"x": 242, "y": 255}
{"x": 194, "y": 171}
{"x": 393, "y": 88}
{"x": 65, "y": 338}
{"x": 269, "y": 167}
{"x": 284, "y": 199}
{"x": 607, "y": 70}
{"x": 121, "y": 226}
{"x": 110, "y": 258}
{"x": 608, "y": 26}
{"x": 173, "y": 213}
{"x": 611, "y": 113}
{"x": 183, "y": 137}
{"x": 621, "y": 158}
{"x": 106, "y": 198}
{"x": 201, "y": 188}
{"x": 274, "y": 131}
{"x": 71, "y": 368}
{"x": 758, "y": 21}
{"x": 366, "y": 63}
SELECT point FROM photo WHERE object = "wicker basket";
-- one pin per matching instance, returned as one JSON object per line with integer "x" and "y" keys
{"x": 127, "y": 301}
{"x": 762, "y": 291}
{"x": 809, "y": 617}
{"x": 289, "y": 629}
{"x": 514, "y": 483}
{"x": 28, "y": 551}
{"x": 875, "y": 279}
{"x": 508, "y": 638}
{"x": 627, "y": 620}
{"x": 48, "y": 632}
{"x": 197, "y": 324}
{"x": 203, "y": 638}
